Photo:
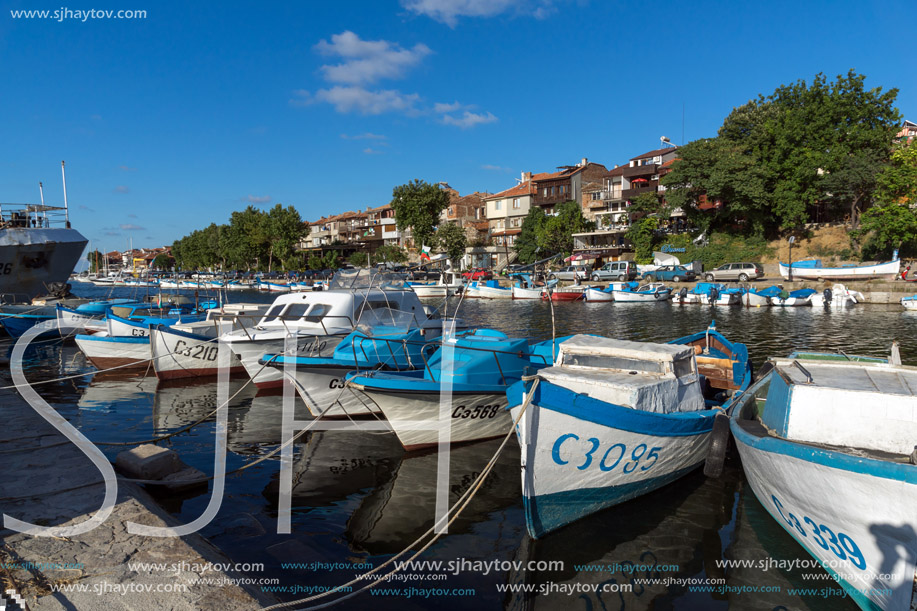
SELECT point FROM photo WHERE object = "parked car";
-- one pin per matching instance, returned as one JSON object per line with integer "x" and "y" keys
{"x": 743, "y": 272}
{"x": 571, "y": 272}
{"x": 616, "y": 270}
{"x": 478, "y": 273}
{"x": 670, "y": 273}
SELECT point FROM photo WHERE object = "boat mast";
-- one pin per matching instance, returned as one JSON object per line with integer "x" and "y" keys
{"x": 66, "y": 208}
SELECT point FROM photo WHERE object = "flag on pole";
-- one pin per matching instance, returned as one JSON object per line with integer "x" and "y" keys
{"x": 425, "y": 252}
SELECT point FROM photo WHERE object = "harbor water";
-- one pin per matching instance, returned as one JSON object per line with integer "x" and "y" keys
{"x": 358, "y": 499}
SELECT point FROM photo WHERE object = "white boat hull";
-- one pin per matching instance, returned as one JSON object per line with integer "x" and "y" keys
{"x": 415, "y": 416}
{"x": 572, "y": 467}
{"x": 323, "y": 391}
{"x": 106, "y": 352}
{"x": 521, "y": 293}
{"x": 909, "y": 303}
{"x": 177, "y": 356}
{"x": 251, "y": 351}
{"x": 631, "y": 297}
{"x": 436, "y": 290}
{"x": 753, "y": 300}
{"x": 886, "y": 271}
{"x": 791, "y": 302}
{"x": 598, "y": 295}
{"x": 488, "y": 292}
{"x": 874, "y": 514}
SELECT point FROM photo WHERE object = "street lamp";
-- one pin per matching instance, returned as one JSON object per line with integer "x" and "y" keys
{"x": 791, "y": 241}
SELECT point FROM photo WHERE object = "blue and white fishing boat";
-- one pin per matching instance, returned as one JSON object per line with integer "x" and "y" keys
{"x": 190, "y": 350}
{"x": 790, "y": 299}
{"x": 490, "y": 289}
{"x": 837, "y": 296}
{"x": 273, "y": 287}
{"x": 812, "y": 269}
{"x": 525, "y": 287}
{"x": 655, "y": 292}
{"x": 449, "y": 283}
{"x": 758, "y": 297}
{"x": 607, "y": 294}
{"x": 827, "y": 445}
{"x": 909, "y": 303}
{"x": 468, "y": 376}
{"x": 17, "y": 319}
{"x": 614, "y": 419}
{"x": 319, "y": 381}
{"x": 708, "y": 293}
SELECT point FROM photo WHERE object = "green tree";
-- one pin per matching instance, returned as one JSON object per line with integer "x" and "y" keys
{"x": 96, "y": 260}
{"x": 775, "y": 158}
{"x": 527, "y": 246}
{"x": 358, "y": 259}
{"x": 162, "y": 262}
{"x": 641, "y": 235}
{"x": 283, "y": 228}
{"x": 417, "y": 206}
{"x": 390, "y": 253}
{"x": 451, "y": 239}
{"x": 556, "y": 232}
{"x": 892, "y": 222}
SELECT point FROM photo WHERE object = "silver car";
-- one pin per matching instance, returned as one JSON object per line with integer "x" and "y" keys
{"x": 571, "y": 272}
{"x": 743, "y": 272}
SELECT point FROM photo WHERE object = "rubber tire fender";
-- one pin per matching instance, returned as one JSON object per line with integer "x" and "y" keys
{"x": 719, "y": 444}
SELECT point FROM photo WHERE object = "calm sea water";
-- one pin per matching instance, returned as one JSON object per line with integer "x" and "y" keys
{"x": 358, "y": 498}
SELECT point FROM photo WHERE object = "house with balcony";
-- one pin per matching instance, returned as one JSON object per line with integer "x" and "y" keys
{"x": 468, "y": 212}
{"x": 565, "y": 185}
{"x": 908, "y": 132}
{"x": 506, "y": 210}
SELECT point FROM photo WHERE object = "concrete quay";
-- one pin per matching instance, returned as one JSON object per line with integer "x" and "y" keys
{"x": 47, "y": 480}
{"x": 875, "y": 292}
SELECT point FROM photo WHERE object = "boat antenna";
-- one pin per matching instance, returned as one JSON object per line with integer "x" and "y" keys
{"x": 66, "y": 208}
{"x": 41, "y": 191}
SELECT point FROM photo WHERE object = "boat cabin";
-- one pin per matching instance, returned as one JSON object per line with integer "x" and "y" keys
{"x": 660, "y": 378}
{"x": 843, "y": 403}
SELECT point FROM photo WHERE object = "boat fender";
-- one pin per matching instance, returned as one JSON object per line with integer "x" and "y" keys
{"x": 719, "y": 443}
{"x": 829, "y": 295}
{"x": 766, "y": 367}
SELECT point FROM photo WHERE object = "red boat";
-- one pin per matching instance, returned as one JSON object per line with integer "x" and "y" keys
{"x": 568, "y": 293}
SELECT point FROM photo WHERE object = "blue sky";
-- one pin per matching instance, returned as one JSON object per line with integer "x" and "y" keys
{"x": 171, "y": 122}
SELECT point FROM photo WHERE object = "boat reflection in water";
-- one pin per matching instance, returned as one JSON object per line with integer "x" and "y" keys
{"x": 398, "y": 511}
{"x": 183, "y": 402}
{"x": 758, "y": 538}
{"x": 670, "y": 533}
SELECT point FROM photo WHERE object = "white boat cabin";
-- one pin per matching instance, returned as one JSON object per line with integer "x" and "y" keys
{"x": 849, "y": 404}
{"x": 660, "y": 378}
{"x": 336, "y": 311}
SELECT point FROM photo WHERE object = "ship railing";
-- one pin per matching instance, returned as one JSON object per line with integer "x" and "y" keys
{"x": 32, "y": 216}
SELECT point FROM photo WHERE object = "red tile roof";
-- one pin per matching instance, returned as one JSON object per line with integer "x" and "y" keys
{"x": 668, "y": 149}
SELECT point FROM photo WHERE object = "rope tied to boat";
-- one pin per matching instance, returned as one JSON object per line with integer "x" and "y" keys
{"x": 455, "y": 510}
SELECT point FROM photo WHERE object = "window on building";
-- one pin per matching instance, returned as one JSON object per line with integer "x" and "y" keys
{"x": 516, "y": 203}
{"x": 545, "y": 191}
{"x": 451, "y": 210}
{"x": 498, "y": 205}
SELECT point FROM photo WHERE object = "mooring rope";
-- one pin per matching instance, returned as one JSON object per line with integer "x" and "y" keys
{"x": 456, "y": 510}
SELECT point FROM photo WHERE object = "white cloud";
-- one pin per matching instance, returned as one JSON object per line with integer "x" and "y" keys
{"x": 495, "y": 168}
{"x": 357, "y": 99}
{"x": 368, "y": 61}
{"x": 130, "y": 227}
{"x": 364, "y": 136}
{"x": 257, "y": 199}
{"x": 122, "y": 189}
{"x": 469, "y": 119}
{"x": 86, "y": 208}
{"x": 125, "y": 168}
{"x": 371, "y": 151}
{"x": 439, "y": 107}
{"x": 448, "y": 11}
